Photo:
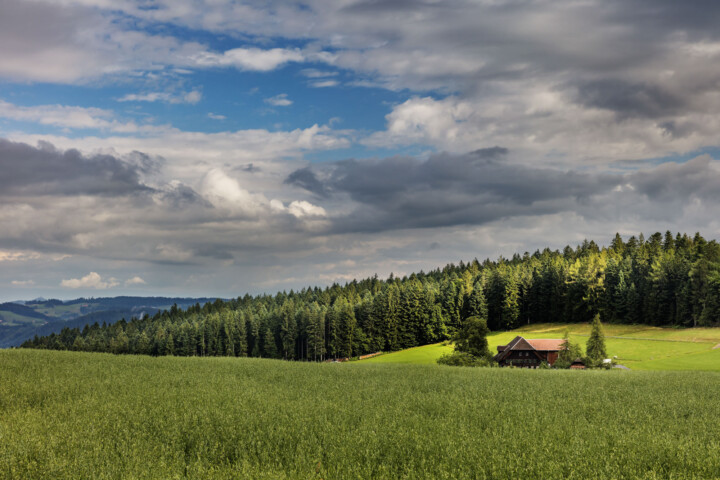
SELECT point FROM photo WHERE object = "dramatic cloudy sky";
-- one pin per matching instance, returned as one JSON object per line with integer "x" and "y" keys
{"x": 202, "y": 147}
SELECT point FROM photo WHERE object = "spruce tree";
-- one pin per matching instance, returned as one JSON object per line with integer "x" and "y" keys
{"x": 269, "y": 344}
{"x": 240, "y": 335}
{"x": 477, "y": 305}
{"x": 596, "y": 343}
{"x": 347, "y": 323}
{"x": 143, "y": 344}
{"x": 79, "y": 344}
{"x": 169, "y": 345}
{"x": 288, "y": 330}
{"x": 569, "y": 352}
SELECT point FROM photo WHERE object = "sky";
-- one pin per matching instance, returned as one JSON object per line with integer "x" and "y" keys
{"x": 212, "y": 148}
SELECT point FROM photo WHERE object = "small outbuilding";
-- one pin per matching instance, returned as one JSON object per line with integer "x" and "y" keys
{"x": 578, "y": 364}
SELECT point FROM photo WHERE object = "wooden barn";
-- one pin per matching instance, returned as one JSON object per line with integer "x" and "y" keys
{"x": 521, "y": 352}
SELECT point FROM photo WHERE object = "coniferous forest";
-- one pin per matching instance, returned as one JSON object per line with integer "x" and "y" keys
{"x": 664, "y": 280}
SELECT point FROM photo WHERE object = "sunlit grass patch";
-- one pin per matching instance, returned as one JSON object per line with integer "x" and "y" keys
{"x": 636, "y": 346}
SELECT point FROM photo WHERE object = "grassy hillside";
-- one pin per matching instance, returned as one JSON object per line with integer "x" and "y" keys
{"x": 637, "y": 346}
{"x": 425, "y": 355}
{"x": 84, "y": 415}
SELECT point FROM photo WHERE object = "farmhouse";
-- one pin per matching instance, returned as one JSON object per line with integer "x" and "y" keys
{"x": 521, "y": 352}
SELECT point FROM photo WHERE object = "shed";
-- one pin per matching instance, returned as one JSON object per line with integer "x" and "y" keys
{"x": 578, "y": 364}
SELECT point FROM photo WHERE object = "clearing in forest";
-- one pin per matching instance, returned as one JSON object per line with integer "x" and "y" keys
{"x": 639, "y": 347}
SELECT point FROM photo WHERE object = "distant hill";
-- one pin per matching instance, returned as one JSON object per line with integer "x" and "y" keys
{"x": 666, "y": 280}
{"x": 20, "y": 321}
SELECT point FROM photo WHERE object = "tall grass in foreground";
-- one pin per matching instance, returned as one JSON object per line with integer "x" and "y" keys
{"x": 80, "y": 415}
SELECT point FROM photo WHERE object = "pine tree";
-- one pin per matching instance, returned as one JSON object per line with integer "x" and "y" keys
{"x": 169, "y": 345}
{"x": 120, "y": 344}
{"x": 269, "y": 345}
{"x": 240, "y": 335}
{"x": 617, "y": 244}
{"x": 316, "y": 333}
{"x": 79, "y": 344}
{"x": 143, "y": 344}
{"x": 633, "y": 305}
{"x": 288, "y": 330}
{"x": 510, "y": 310}
{"x": 595, "y": 348}
{"x": 477, "y": 305}
{"x": 569, "y": 352}
{"x": 347, "y": 323}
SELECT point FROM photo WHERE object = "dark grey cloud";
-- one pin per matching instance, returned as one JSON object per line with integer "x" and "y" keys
{"x": 448, "y": 190}
{"x": 678, "y": 129}
{"x": 389, "y": 6}
{"x": 181, "y": 196}
{"x": 630, "y": 100}
{"x": 678, "y": 182}
{"x": 696, "y": 18}
{"x": 482, "y": 187}
{"x": 44, "y": 170}
{"x": 306, "y": 178}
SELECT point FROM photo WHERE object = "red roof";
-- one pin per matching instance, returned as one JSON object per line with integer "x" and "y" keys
{"x": 546, "y": 344}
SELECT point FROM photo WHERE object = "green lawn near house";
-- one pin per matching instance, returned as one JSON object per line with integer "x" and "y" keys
{"x": 638, "y": 347}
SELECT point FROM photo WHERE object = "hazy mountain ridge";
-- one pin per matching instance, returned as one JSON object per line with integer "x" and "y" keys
{"x": 20, "y": 321}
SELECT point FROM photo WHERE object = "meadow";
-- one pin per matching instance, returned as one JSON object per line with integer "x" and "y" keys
{"x": 639, "y": 347}
{"x": 91, "y": 415}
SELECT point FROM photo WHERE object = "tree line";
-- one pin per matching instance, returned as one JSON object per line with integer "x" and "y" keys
{"x": 670, "y": 280}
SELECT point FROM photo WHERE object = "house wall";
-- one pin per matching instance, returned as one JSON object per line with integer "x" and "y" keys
{"x": 519, "y": 359}
{"x": 552, "y": 357}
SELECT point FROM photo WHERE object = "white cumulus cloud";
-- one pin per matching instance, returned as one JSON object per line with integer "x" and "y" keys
{"x": 225, "y": 192}
{"x": 191, "y": 97}
{"x": 301, "y": 208}
{"x": 298, "y": 209}
{"x": 91, "y": 280}
{"x": 252, "y": 59}
{"x": 279, "y": 100}
{"x": 324, "y": 83}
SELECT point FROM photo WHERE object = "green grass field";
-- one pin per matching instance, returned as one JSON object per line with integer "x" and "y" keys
{"x": 86, "y": 415}
{"x": 427, "y": 354}
{"x": 638, "y": 347}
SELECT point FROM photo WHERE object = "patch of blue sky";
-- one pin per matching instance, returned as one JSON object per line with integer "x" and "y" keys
{"x": 239, "y": 96}
{"x": 35, "y": 94}
{"x": 682, "y": 158}
{"x": 632, "y": 165}
{"x": 245, "y": 100}
{"x": 231, "y": 99}
{"x": 9, "y": 128}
